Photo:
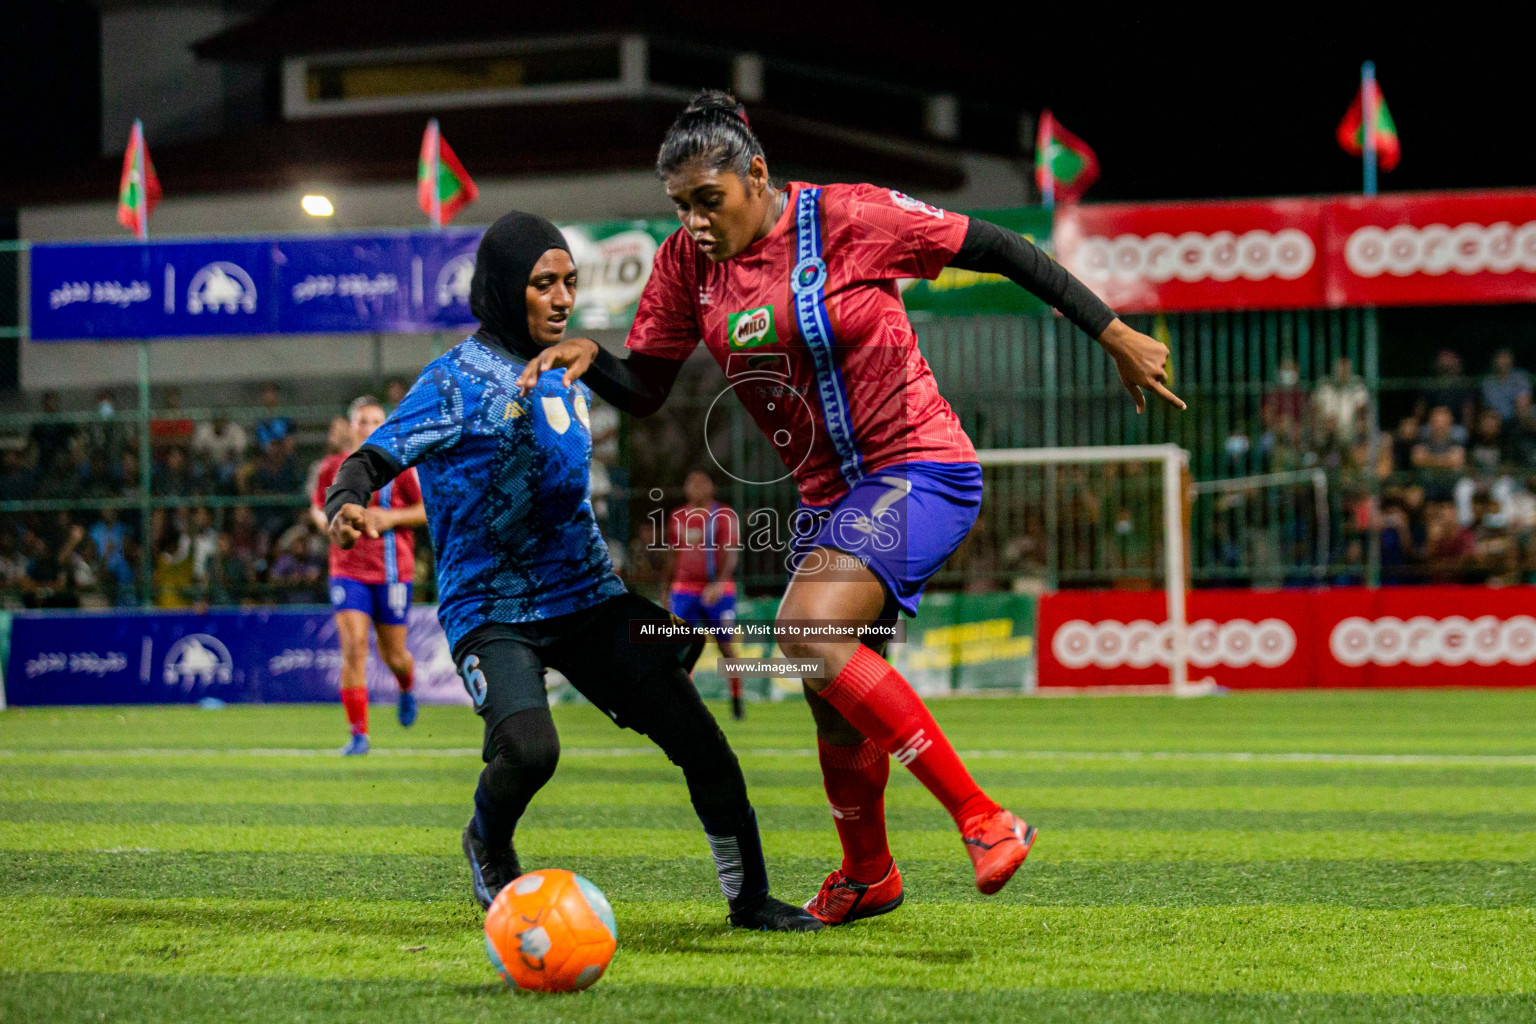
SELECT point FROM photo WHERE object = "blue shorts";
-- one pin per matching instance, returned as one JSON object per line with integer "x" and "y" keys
{"x": 690, "y": 608}
{"x": 384, "y": 603}
{"x": 902, "y": 522}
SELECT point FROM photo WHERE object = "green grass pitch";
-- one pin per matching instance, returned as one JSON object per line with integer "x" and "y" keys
{"x": 1313, "y": 857}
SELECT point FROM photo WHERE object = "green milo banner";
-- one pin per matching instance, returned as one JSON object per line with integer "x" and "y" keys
{"x": 614, "y": 259}
{"x": 958, "y": 643}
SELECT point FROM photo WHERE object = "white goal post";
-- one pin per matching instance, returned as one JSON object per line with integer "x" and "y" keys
{"x": 1173, "y": 460}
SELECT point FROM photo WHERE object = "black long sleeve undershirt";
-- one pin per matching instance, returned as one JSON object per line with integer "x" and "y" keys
{"x": 990, "y": 249}
{"x": 637, "y": 385}
{"x": 640, "y": 383}
{"x": 359, "y": 475}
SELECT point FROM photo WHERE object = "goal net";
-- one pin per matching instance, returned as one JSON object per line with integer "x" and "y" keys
{"x": 1103, "y": 517}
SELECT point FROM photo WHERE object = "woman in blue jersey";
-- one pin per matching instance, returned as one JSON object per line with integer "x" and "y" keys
{"x": 524, "y": 578}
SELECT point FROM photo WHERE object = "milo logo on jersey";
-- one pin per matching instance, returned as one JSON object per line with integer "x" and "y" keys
{"x": 751, "y": 328}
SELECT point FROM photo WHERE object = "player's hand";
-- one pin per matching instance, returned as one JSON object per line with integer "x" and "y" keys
{"x": 378, "y": 520}
{"x": 711, "y": 594}
{"x": 576, "y": 354}
{"x": 1142, "y": 362}
{"x": 350, "y": 523}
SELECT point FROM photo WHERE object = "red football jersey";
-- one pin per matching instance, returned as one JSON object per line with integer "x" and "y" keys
{"x": 809, "y": 326}
{"x": 391, "y": 558}
{"x": 695, "y": 537}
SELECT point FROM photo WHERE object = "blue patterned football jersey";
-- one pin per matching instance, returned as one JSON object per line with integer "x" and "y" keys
{"x": 505, "y": 481}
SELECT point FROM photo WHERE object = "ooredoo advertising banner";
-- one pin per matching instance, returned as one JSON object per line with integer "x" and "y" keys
{"x": 250, "y": 655}
{"x": 1336, "y": 637}
{"x": 1189, "y": 256}
{"x": 1408, "y": 249}
{"x": 1432, "y": 249}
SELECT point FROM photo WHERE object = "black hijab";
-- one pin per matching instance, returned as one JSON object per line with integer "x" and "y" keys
{"x": 498, "y": 291}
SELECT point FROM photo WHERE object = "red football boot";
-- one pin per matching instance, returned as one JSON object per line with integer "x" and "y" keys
{"x": 842, "y": 900}
{"x": 998, "y": 844}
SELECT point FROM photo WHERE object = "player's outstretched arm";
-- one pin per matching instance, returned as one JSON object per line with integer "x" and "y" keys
{"x": 1140, "y": 359}
{"x": 638, "y": 384}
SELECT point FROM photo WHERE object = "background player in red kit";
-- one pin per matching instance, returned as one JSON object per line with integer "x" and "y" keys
{"x": 703, "y": 539}
{"x": 804, "y": 278}
{"x": 371, "y": 581}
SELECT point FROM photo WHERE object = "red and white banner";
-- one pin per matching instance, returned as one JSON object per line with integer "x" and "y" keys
{"x": 1249, "y": 639}
{"x": 1188, "y": 256}
{"x": 1431, "y": 248}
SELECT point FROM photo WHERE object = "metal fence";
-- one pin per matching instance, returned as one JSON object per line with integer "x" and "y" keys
{"x": 1295, "y": 478}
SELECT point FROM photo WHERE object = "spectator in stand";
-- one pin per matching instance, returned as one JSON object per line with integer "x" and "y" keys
{"x": 13, "y": 564}
{"x": 173, "y": 561}
{"x": 85, "y": 566}
{"x": 1285, "y": 397}
{"x": 171, "y": 431}
{"x": 1450, "y": 547}
{"x": 108, "y": 435}
{"x": 394, "y": 392}
{"x": 1438, "y": 457}
{"x": 51, "y": 440}
{"x": 109, "y": 535}
{"x": 1452, "y": 389}
{"x": 1487, "y": 452}
{"x": 1337, "y": 404}
{"x": 173, "y": 473}
{"x": 272, "y": 428}
{"x": 205, "y": 543}
{"x": 249, "y": 542}
{"x": 295, "y": 573}
{"x": 46, "y": 582}
{"x": 1522, "y": 432}
{"x": 221, "y": 444}
{"x": 1397, "y": 546}
{"x": 17, "y": 482}
{"x": 229, "y": 575}
{"x": 1404, "y": 440}
{"x": 276, "y": 470}
{"x": 120, "y": 569}
{"x": 1503, "y": 387}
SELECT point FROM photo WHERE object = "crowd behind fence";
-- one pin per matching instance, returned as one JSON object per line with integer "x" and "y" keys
{"x": 1307, "y": 467}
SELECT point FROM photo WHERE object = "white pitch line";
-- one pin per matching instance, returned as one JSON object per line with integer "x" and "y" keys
{"x": 1221, "y": 756}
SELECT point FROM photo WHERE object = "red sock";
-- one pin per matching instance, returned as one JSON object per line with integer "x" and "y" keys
{"x": 355, "y": 700}
{"x": 855, "y": 780}
{"x": 406, "y": 681}
{"x": 735, "y": 682}
{"x": 882, "y": 705}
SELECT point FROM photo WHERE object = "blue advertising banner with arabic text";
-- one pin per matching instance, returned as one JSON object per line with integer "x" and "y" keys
{"x": 393, "y": 282}
{"x": 257, "y": 655}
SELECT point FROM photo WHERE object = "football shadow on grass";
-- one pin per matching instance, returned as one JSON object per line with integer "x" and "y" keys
{"x": 721, "y": 940}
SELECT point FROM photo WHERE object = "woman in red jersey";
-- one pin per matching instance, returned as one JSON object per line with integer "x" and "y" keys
{"x": 794, "y": 291}
{"x": 371, "y": 581}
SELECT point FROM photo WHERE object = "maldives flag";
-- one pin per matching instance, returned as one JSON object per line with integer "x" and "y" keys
{"x": 1351, "y": 132}
{"x": 443, "y": 186}
{"x": 138, "y": 192}
{"x": 1064, "y": 165}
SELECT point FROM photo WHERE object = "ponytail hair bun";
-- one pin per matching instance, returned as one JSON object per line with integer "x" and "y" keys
{"x": 713, "y": 129}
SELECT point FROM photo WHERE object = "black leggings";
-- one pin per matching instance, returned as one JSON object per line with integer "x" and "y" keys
{"x": 640, "y": 685}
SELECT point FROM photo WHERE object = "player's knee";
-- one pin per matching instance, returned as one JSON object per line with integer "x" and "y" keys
{"x": 527, "y": 747}
{"x": 354, "y": 647}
